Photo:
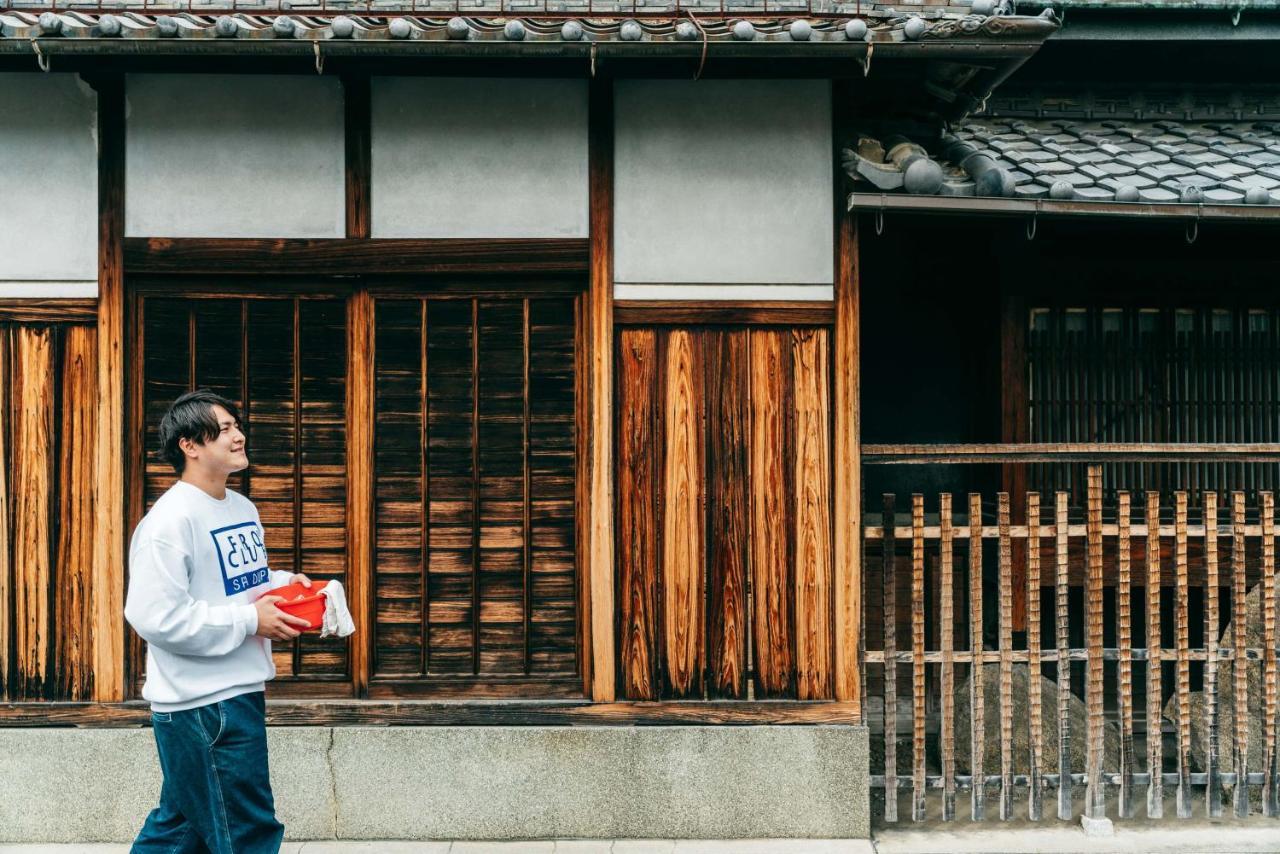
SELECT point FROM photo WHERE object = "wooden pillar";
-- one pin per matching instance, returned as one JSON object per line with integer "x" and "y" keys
{"x": 360, "y": 381}
{"x": 109, "y": 488}
{"x": 847, "y": 431}
{"x": 599, "y": 666}
{"x": 1015, "y": 428}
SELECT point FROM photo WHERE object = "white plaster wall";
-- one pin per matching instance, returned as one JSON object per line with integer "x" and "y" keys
{"x": 49, "y": 205}
{"x": 479, "y": 157}
{"x": 725, "y": 183}
{"x": 234, "y": 156}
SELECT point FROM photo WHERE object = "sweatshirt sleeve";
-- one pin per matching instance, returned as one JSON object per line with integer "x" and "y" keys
{"x": 162, "y": 612}
{"x": 280, "y": 577}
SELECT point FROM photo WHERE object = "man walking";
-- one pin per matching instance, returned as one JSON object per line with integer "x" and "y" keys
{"x": 197, "y": 574}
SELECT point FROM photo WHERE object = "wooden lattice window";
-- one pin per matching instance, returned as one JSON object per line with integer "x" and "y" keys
{"x": 476, "y": 579}
{"x": 1156, "y": 374}
{"x": 283, "y": 361}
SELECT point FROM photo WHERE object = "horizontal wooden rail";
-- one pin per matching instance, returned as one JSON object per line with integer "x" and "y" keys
{"x": 1052, "y": 452}
{"x": 1022, "y": 532}
{"x": 1016, "y": 656}
{"x": 1138, "y": 778}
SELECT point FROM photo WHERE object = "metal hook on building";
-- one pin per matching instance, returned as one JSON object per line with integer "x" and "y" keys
{"x": 1235, "y": 17}
{"x": 879, "y": 221}
{"x": 319, "y": 58}
{"x": 1031, "y": 225}
{"x": 41, "y": 60}
{"x": 1193, "y": 230}
{"x": 593, "y": 59}
{"x": 866, "y": 61}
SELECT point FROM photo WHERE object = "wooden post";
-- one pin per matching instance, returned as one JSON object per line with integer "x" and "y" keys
{"x": 109, "y": 488}
{"x": 599, "y": 467}
{"x": 848, "y": 469}
{"x": 1015, "y": 428}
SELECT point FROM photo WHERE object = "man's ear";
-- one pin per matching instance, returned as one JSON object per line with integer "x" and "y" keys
{"x": 189, "y": 447}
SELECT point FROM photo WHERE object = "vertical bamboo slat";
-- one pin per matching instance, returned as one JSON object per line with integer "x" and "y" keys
{"x": 1095, "y": 791}
{"x": 1124, "y": 640}
{"x": 812, "y": 537}
{"x": 1267, "y": 502}
{"x": 1035, "y": 721}
{"x": 889, "y": 621}
{"x": 1213, "y": 783}
{"x": 977, "y": 693}
{"x": 1155, "y": 755}
{"x": 1006, "y": 658}
{"x": 683, "y": 552}
{"x": 1240, "y": 665}
{"x": 946, "y": 638}
{"x": 917, "y": 658}
{"x": 1061, "y": 605}
{"x": 1183, "y": 628}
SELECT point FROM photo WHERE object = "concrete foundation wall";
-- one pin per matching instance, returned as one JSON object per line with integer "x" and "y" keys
{"x": 724, "y": 182}
{"x": 49, "y": 214}
{"x": 97, "y": 785}
{"x": 479, "y": 157}
{"x": 212, "y": 155}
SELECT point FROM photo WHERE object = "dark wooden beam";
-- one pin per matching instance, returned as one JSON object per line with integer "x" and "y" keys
{"x": 49, "y": 310}
{"x": 458, "y": 713}
{"x": 723, "y": 312}
{"x": 352, "y": 256}
{"x": 1015, "y": 428}
{"x": 358, "y": 147}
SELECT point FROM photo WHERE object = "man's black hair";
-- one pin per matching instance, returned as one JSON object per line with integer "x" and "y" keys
{"x": 191, "y": 417}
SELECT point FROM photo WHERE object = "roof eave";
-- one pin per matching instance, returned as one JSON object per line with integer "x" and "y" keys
{"x": 1052, "y": 207}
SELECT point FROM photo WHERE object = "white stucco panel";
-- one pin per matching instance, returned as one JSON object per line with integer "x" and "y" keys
{"x": 723, "y": 181}
{"x": 213, "y": 155}
{"x": 479, "y": 157}
{"x": 49, "y": 214}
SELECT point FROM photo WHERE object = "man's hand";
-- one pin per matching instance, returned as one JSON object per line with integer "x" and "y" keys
{"x": 299, "y": 578}
{"x": 274, "y": 623}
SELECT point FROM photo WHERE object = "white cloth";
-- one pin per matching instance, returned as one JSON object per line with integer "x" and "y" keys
{"x": 196, "y": 565}
{"x": 337, "y": 620}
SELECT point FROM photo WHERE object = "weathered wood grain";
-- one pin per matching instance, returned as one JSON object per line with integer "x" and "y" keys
{"x": 889, "y": 622}
{"x": 6, "y": 564}
{"x": 1155, "y": 755}
{"x": 1005, "y": 582}
{"x": 977, "y": 691}
{"x": 1014, "y": 422}
{"x": 772, "y": 599}
{"x": 728, "y": 487}
{"x": 73, "y": 567}
{"x": 1182, "y": 623}
{"x": 917, "y": 660}
{"x": 1124, "y": 642}
{"x": 1240, "y": 666}
{"x": 360, "y": 473}
{"x": 946, "y": 639}
{"x": 358, "y": 154}
{"x": 54, "y": 310}
{"x": 779, "y": 313}
{"x": 34, "y": 520}
{"x": 1035, "y": 720}
{"x": 812, "y": 516}
{"x": 1061, "y": 614}
{"x": 637, "y": 515}
{"x": 1095, "y": 793}
{"x": 1213, "y": 784}
{"x": 683, "y": 523}
{"x": 1267, "y": 512}
{"x": 846, "y": 418}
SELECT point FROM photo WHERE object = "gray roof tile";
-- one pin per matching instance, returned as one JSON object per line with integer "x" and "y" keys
{"x": 1165, "y": 171}
{"x": 1224, "y": 171}
{"x": 1200, "y": 158}
{"x": 1143, "y": 158}
{"x": 1223, "y": 197}
{"x": 1158, "y": 195}
{"x": 1094, "y": 194}
{"x": 1142, "y": 182}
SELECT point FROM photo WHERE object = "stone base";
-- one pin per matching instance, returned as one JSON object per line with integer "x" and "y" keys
{"x": 692, "y": 782}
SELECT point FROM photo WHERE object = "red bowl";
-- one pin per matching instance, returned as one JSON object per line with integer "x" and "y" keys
{"x": 300, "y": 601}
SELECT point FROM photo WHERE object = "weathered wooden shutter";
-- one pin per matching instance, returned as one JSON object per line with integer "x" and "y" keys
{"x": 476, "y": 579}
{"x": 283, "y": 361}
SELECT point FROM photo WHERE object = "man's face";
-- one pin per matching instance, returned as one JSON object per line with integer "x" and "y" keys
{"x": 223, "y": 454}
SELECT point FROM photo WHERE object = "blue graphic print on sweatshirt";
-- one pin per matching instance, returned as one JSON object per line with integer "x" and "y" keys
{"x": 242, "y": 556}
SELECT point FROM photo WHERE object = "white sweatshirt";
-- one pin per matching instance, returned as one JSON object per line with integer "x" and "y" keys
{"x": 196, "y": 566}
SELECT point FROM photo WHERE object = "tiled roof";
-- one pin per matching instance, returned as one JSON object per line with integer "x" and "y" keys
{"x": 1160, "y": 162}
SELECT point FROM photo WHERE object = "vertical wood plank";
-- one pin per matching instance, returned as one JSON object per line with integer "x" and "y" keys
{"x": 946, "y": 638}
{"x": 1095, "y": 791}
{"x": 357, "y": 124}
{"x": 977, "y": 695}
{"x": 1155, "y": 755}
{"x": 1213, "y": 783}
{"x": 637, "y": 514}
{"x": 772, "y": 601}
{"x": 1124, "y": 641}
{"x": 1239, "y": 664}
{"x": 1006, "y": 657}
{"x": 1035, "y": 721}
{"x": 917, "y": 658}
{"x": 109, "y": 487}
{"x": 683, "y": 551}
{"x": 889, "y": 622}
{"x": 1182, "y": 620}
{"x": 1062, "y": 634}
{"x": 360, "y": 474}
{"x": 6, "y": 502}
{"x": 33, "y": 489}
{"x": 728, "y": 485}
{"x": 846, "y": 415}
{"x": 74, "y": 564}
{"x": 1269, "y": 761}
{"x": 1015, "y": 424}
{"x": 599, "y": 511}
{"x": 812, "y": 465}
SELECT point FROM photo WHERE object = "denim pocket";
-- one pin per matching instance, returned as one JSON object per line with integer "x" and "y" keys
{"x": 212, "y": 720}
{"x": 161, "y": 717}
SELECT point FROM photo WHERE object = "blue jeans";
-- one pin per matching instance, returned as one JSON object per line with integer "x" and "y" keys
{"x": 216, "y": 797}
